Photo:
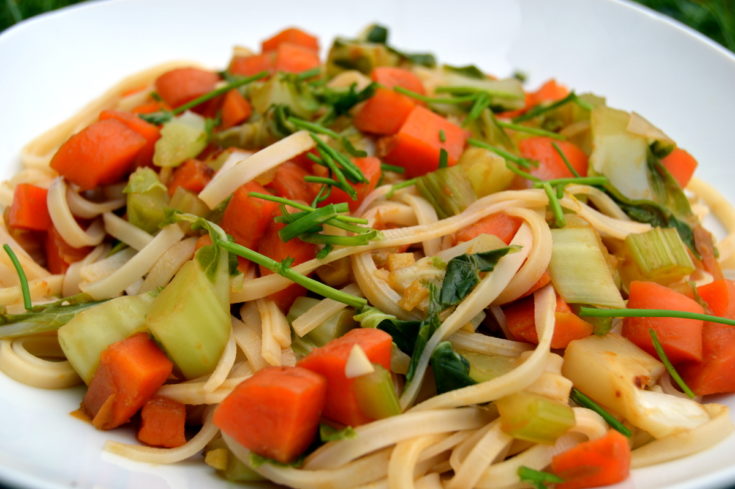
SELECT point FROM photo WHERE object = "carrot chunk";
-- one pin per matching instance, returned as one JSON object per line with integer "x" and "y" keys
{"x": 272, "y": 246}
{"x": 594, "y": 463}
{"x": 150, "y": 132}
{"x": 235, "y": 109}
{"x": 330, "y": 361}
{"x": 418, "y": 143}
{"x": 182, "y": 85}
{"x": 681, "y": 339}
{"x": 499, "y": 224}
{"x": 390, "y": 77}
{"x": 162, "y": 423}
{"x": 550, "y": 91}
{"x": 519, "y": 319}
{"x": 720, "y": 297}
{"x": 384, "y": 113}
{"x": 291, "y": 35}
{"x": 193, "y": 175}
{"x": 29, "y": 210}
{"x": 130, "y": 372}
{"x": 681, "y": 165}
{"x": 289, "y": 182}
{"x": 293, "y": 58}
{"x": 251, "y": 65}
{"x": 100, "y": 154}
{"x": 59, "y": 254}
{"x": 246, "y": 218}
{"x": 551, "y": 164}
{"x": 370, "y": 167}
{"x": 715, "y": 374}
{"x": 275, "y": 413}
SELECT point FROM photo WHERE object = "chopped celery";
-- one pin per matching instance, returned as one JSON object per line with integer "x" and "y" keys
{"x": 335, "y": 326}
{"x": 356, "y": 55}
{"x": 147, "y": 200}
{"x": 487, "y": 367}
{"x": 376, "y": 394}
{"x": 92, "y": 330}
{"x": 660, "y": 255}
{"x": 486, "y": 171}
{"x": 533, "y": 417}
{"x": 253, "y": 135}
{"x": 579, "y": 271}
{"x": 220, "y": 458}
{"x": 657, "y": 139}
{"x": 300, "y": 306}
{"x": 190, "y": 320}
{"x": 447, "y": 189}
{"x": 283, "y": 91}
{"x": 188, "y": 202}
{"x": 181, "y": 138}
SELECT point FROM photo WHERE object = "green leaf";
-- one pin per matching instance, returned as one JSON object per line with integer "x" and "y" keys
{"x": 376, "y": 33}
{"x": 470, "y": 71}
{"x": 451, "y": 370}
{"x": 463, "y": 274}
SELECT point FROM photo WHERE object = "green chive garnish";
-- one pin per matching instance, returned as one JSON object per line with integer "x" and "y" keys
{"x": 25, "y": 290}
{"x": 669, "y": 367}
{"x": 584, "y": 401}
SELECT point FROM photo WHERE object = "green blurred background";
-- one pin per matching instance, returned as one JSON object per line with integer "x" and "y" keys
{"x": 714, "y": 18}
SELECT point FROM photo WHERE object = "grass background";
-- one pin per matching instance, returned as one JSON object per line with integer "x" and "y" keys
{"x": 714, "y": 18}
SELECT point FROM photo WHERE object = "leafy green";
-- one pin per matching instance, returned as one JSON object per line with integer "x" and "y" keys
{"x": 451, "y": 370}
{"x": 41, "y": 319}
{"x": 340, "y": 101}
{"x": 463, "y": 274}
{"x": 470, "y": 71}
{"x": 147, "y": 200}
{"x": 375, "y": 33}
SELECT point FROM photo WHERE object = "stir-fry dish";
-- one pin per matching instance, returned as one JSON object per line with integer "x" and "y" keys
{"x": 373, "y": 270}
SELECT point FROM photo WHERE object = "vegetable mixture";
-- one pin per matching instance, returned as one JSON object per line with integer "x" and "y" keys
{"x": 371, "y": 270}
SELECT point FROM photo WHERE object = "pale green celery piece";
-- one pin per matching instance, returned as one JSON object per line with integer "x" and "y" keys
{"x": 252, "y": 135}
{"x": 485, "y": 170}
{"x": 190, "y": 321}
{"x": 219, "y": 457}
{"x": 279, "y": 90}
{"x": 447, "y": 189}
{"x": 92, "y": 330}
{"x": 505, "y": 94}
{"x": 618, "y": 154}
{"x": 188, "y": 202}
{"x": 361, "y": 56}
{"x": 376, "y": 394}
{"x": 334, "y": 327}
{"x": 660, "y": 255}
{"x": 579, "y": 270}
{"x": 487, "y": 367}
{"x": 182, "y": 138}
{"x": 300, "y": 306}
{"x": 660, "y": 143}
{"x": 147, "y": 200}
{"x": 533, "y": 417}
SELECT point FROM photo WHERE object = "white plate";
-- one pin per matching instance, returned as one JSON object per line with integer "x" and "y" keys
{"x": 55, "y": 63}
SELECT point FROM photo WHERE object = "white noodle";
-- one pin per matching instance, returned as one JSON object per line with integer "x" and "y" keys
{"x": 126, "y": 232}
{"x": 64, "y": 221}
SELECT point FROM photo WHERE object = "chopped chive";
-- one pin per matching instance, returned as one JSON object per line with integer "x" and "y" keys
{"x": 341, "y": 180}
{"x": 458, "y": 90}
{"x": 667, "y": 363}
{"x": 309, "y": 223}
{"x": 305, "y": 75}
{"x": 481, "y": 103}
{"x": 522, "y": 162}
{"x": 652, "y": 313}
{"x": 555, "y": 205}
{"x": 531, "y": 130}
{"x": 324, "y": 192}
{"x": 584, "y": 401}
{"x": 326, "y": 249}
{"x": 514, "y": 168}
{"x": 537, "y": 478}
{"x": 348, "y": 166}
{"x": 324, "y": 180}
{"x": 350, "y": 148}
{"x": 303, "y": 207}
{"x": 313, "y": 127}
{"x": 442, "y": 136}
{"x": 541, "y": 109}
{"x": 579, "y": 180}
{"x": 435, "y": 100}
{"x": 25, "y": 290}
{"x": 394, "y": 168}
{"x": 332, "y": 239}
{"x": 399, "y": 186}
{"x": 565, "y": 160}
{"x": 313, "y": 285}
{"x": 443, "y": 158}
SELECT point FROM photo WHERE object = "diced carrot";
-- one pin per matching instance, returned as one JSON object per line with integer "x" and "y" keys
{"x": 542, "y": 282}
{"x": 520, "y": 322}
{"x": 330, "y": 361}
{"x": 599, "y": 462}
{"x": 251, "y": 65}
{"x": 162, "y": 423}
{"x": 551, "y": 164}
{"x": 29, "y": 209}
{"x": 59, "y": 255}
{"x": 291, "y": 35}
{"x": 681, "y": 165}
{"x": 289, "y": 182}
{"x": 100, "y": 154}
{"x": 418, "y": 143}
{"x": 235, "y": 109}
{"x": 149, "y": 107}
{"x": 293, "y": 58}
{"x": 246, "y": 218}
{"x": 275, "y": 413}
{"x": 715, "y": 374}
{"x": 192, "y": 175}
{"x": 550, "y": 91}
{"x": 130, "y": 372}
{"x": 272, "y": 246}
{"x": 390, "y": 77}
{"x": 681, "y": 339}
{"x": 370, "y": 167}
{"x": 384, "y": 113}
{"x": 182, "y": 85}
{"x": 150, "y": 132}
{"x": 720, "y": 297}
{"x": 499, "y": 224}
